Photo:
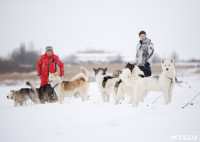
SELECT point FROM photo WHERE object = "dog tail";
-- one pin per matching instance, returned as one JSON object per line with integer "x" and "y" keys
{"x": 137, "y": 71}
{"x": 117, "y": 86}
{"x": 32, "y": 86}
{"x": 84, "y": 71}
{"x": 81, "y": 76}
{"x": 35, "y": 97}
{"x": 126, "y": 73}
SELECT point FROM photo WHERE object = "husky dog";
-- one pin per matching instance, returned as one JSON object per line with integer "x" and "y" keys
{"x": 163, "y": 83}
{"x": 19, "y": 96}
{"x": 24, "y": 94}
{"x": 116, "y": 73}
{"x": 105, "y": 83}
{"x": 135, "y": 70}
{"x": 78, "y": 83}
{"x": 47, "y": 94}
{"x": 41, "y": 95}
{"x": 130, "y": 71}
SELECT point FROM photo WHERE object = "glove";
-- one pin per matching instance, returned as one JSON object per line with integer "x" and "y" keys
{"x": 147, "y": 66}
{"x": 62, "y": 77}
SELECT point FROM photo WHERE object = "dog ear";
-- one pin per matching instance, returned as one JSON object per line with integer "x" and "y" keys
{"x": 162, "y": 61}
{"x": 94, "y": 69}
{"x": 105, "y": 69}
{"x": 172, "y": 60}
{"x": 12, "y": 90}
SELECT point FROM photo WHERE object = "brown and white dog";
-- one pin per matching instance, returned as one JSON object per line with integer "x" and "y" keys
{"x": 78, "y": 83}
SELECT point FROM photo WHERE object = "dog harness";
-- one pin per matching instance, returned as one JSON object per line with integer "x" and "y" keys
{"x": 170, "y": 79}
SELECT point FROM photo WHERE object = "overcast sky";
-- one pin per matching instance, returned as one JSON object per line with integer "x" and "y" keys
{"x": 112, "y": 25}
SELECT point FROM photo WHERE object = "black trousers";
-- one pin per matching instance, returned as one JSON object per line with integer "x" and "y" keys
{"x": 146, "y": 72}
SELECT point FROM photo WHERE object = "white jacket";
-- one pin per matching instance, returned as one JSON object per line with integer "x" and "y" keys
{"x": 145, "y": 52}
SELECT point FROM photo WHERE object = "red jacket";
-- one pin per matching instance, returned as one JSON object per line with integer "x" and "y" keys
{"x": 48, "y": 64}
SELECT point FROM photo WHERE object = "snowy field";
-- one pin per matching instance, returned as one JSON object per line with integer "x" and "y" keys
{"x": 94, "y": 121}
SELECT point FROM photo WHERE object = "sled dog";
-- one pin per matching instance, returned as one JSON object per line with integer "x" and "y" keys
{"x": 47, "y": 94}
{"x": 78, "y": 83}
{"x": 24, "y": 94}
{"x": 130, "y": 71}
{"x": 105, "y": 83}
{"x": 163, "y": 83}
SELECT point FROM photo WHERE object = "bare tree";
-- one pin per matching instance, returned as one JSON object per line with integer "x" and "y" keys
{"x": 117, "y": 60}
{"x": 175, "y": 56}
{"x": 71, "y": 59}
{"x": 20, "y": 60}
{"x": 156, "y": 59}
{"x": 25, "y": 57}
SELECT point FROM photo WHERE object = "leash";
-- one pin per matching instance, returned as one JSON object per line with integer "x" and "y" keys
{"x": 162, "y": 93}
{"x": 157, "y": 98}
{"x": 190, "y": 102}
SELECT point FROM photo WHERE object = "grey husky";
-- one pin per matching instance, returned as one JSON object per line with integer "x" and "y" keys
{"x": 24, "y": 94}
{"x": 37, "y": 95}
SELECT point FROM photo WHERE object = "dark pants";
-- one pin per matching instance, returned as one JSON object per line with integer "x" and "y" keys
{"x": 146, "y": 72}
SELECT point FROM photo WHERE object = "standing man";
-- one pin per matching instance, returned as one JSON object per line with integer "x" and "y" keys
{"x": 48, "y": 64}
{"x": 144, "y": 54}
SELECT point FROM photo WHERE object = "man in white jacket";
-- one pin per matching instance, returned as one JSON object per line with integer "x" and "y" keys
{"x": 144, "y": 54}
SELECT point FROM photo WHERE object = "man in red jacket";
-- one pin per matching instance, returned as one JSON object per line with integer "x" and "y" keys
{"x": 48, "y": 64}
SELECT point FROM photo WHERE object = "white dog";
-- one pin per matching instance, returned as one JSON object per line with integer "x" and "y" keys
{"x": 130, "y": 71}
{"x": 163, "y": 83}
{"x": 105, "y": 83}
{"x": 78, "y": 83}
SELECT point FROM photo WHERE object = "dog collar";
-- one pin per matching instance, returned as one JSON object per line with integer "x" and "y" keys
{"x": 170, "y": 79}
{"x": 55, "y": 85}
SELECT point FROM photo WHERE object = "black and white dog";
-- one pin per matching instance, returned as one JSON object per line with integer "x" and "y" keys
{"x": 130, "y": 71}
{"x": 105, "y": 83}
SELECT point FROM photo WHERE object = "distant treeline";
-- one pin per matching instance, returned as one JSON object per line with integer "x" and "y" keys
{"x": 22, "y": 59}
{"x": 25, "y": 57}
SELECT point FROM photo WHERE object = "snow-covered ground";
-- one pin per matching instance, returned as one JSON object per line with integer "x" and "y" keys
{"x": 94, "y": 121}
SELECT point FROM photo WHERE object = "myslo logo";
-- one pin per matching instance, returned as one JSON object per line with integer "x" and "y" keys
{"x": 184, "y": 137}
